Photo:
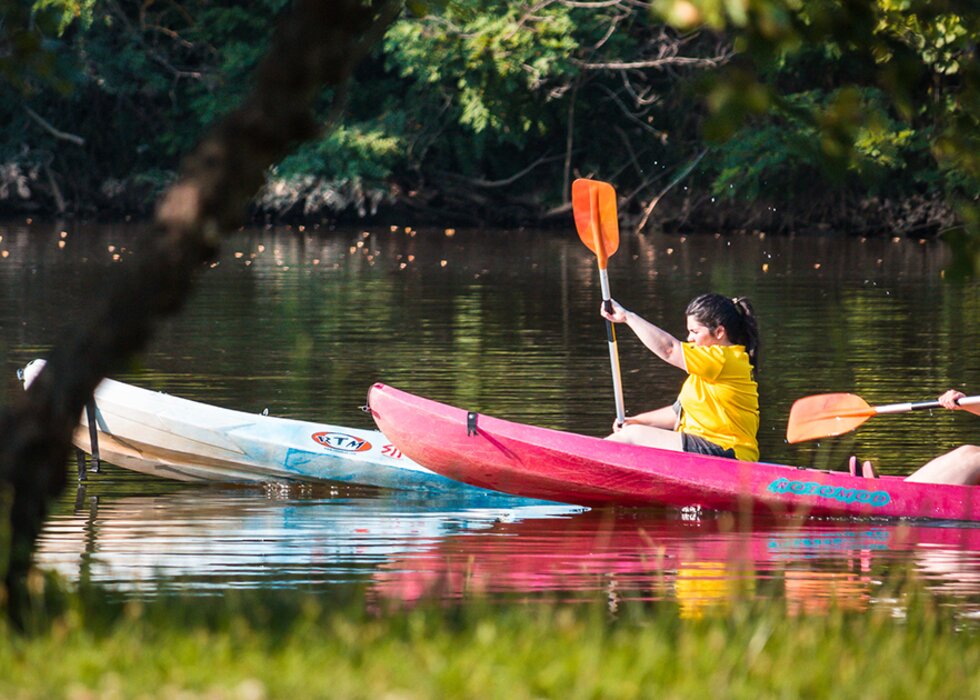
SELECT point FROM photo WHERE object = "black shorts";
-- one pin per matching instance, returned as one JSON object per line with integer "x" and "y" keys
{"x": 698, "y": 445}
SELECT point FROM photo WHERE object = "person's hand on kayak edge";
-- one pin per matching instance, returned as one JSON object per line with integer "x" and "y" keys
{"x": 618, "y": 313}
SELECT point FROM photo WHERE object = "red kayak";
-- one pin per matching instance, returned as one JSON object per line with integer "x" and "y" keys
{"x": 541, "y": 463}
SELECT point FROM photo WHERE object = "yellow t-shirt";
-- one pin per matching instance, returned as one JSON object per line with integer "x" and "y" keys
{"x": 720, "y": 400}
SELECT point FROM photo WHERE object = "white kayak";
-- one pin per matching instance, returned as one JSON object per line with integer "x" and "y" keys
{"x": 167, "y": 436}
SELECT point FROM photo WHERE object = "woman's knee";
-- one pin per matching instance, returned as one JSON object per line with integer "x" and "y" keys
{"x": 648, "y": 436}
{"x": 628, "y": 434}
{"x": 967, "y": 454}
{"x": 965, "y": 463}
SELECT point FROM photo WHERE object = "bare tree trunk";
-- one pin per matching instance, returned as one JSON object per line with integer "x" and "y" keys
{"x": 566, "y": 188}
{"x": 316, "y": 44}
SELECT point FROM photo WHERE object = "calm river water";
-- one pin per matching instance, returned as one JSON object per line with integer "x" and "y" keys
{"x": 506, "y": 322}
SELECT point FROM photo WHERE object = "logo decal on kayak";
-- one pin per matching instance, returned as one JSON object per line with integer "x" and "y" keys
{"x": 342, "y": 442}
{"x": 838, "y": 493}
{"x": 391, "y": 451}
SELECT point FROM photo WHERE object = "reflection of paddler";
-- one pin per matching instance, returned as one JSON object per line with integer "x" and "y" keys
{"x": 817, "y": 592}
{"x": 702, "y": 586}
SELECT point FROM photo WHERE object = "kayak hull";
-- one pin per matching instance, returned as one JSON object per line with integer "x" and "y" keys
{"x": 541, "y": 463}
{"x": 168, "y": 436}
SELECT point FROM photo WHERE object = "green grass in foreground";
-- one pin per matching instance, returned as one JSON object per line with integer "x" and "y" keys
{"x": 297, "y": 645}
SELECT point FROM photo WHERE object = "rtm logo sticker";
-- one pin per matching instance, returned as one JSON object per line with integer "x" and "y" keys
{"x": 342, "y": 441}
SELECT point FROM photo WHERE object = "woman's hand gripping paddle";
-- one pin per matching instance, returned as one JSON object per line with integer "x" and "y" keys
{"x": 594, "y": 205}
{"x": 827, "y": 415}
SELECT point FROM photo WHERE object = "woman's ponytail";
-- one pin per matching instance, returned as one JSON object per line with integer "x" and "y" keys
{"x": 750, "y": 331}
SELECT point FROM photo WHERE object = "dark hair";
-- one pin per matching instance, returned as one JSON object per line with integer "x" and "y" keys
{"x": 737, "y": 317}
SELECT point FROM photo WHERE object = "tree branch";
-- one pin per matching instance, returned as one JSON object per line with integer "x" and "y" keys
{"x": 58, "y": 134}
{"x": 492, "y": 184}
{"x": 680, "y": 176}
{"x": 659, "y": 63}
{"x": 315, "y": 44}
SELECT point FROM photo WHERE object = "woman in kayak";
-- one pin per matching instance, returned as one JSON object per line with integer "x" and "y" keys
{"x": 717, "y": 410}
{"x": 959, "y": 466}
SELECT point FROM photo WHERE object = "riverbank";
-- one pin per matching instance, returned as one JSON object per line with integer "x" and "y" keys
{"x": 313, "y": 201}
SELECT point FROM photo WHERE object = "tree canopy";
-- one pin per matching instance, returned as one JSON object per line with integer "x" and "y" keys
{"x": 884, "y": 93}
{"x": 856, "y": 116}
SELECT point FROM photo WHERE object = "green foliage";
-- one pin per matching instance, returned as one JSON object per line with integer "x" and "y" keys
{"x": 479, "y": 83}
{"x": 138, "y": 83}
{"x": 916, "y": 58}
{"x": 875, "y": 152}
{"x": 487, "y": 108}
{"x": 65, "y": 12}
{"x": 344, "y": 169}
{"x": 498, "y": 93}
{"x": 350, "y": 152}
{"x": 493, "y": 61}
{"x": 292, "y": 644}
{"x": 32, "y": 53}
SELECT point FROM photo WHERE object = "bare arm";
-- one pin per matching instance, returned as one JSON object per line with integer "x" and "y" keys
{"x": 665, "y": 418}
{"x": 949, "y": 399}
{"x": 660, "y": 342}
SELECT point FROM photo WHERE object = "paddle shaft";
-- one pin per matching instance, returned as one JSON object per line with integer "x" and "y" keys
{"x": 613, "y": 350}
{"x": 922, "y": 405}
{"x": 606, "y": 300}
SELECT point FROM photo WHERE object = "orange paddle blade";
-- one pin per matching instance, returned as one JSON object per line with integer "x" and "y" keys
{"x": 826, "y": 415}
{"x": 594, "y": 205}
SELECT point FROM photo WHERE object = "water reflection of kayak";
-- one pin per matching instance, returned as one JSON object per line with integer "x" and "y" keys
{"x": 541, "y": 463}
{"x": 167, "y": 436}
{"x": 649, "y": 555}
{"x": 215, "y": 538}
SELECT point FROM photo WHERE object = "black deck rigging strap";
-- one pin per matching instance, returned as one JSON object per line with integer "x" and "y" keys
{"x": 93, "y": 434}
